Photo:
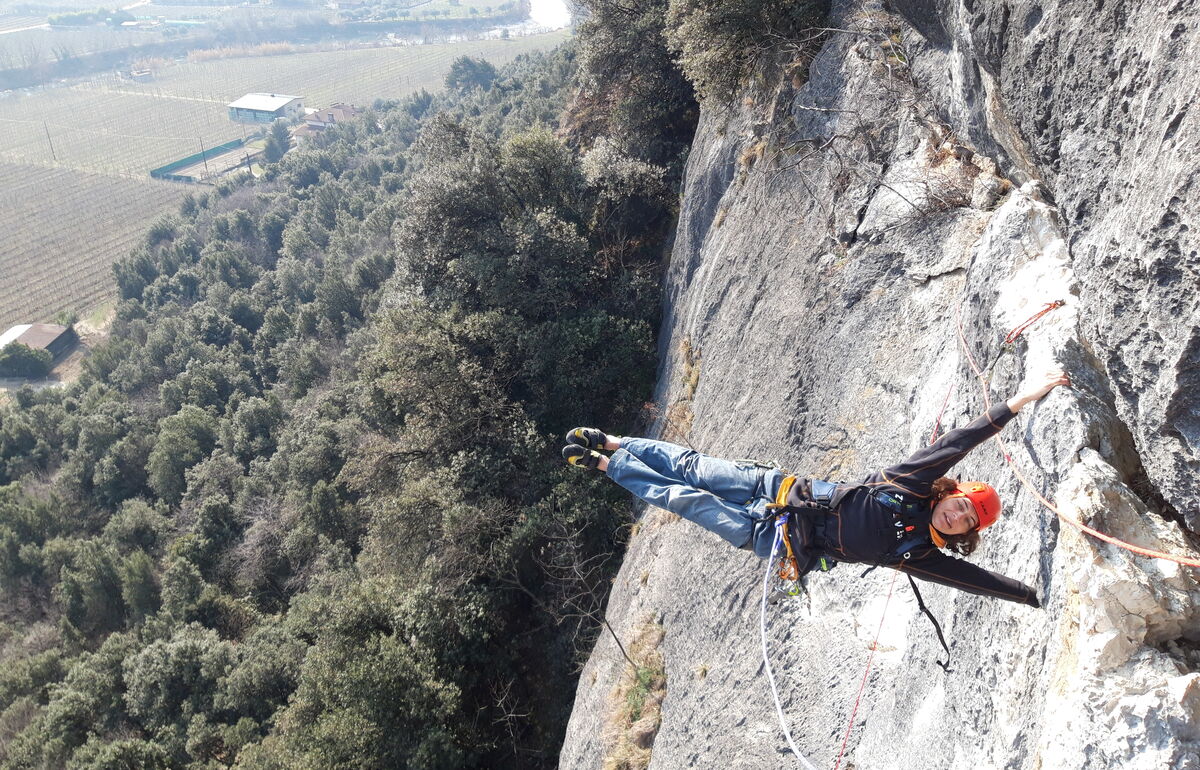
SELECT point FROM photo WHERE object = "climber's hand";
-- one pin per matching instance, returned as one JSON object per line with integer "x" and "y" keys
{"x": 1036, "y": 386}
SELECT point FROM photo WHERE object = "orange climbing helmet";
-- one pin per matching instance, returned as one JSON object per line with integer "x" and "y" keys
{"x": 984, "y": 498}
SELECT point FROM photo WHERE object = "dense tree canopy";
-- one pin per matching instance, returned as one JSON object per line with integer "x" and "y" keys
{"x": 306, "y": 508}
{"x": 467, "y": 73}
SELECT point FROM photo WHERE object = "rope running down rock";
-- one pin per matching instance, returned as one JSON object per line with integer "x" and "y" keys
{"x": 766, "y": 653}
{"x": 987, "y": 401}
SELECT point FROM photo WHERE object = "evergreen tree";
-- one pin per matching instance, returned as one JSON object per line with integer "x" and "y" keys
{"x": 279, "y": 141}
{"x": 18, "y": 360}
{"x": 467, "y": 73}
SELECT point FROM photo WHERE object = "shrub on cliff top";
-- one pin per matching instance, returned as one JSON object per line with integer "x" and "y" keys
{"x": 719, "y": 42}
{"x": 632, "y": 91}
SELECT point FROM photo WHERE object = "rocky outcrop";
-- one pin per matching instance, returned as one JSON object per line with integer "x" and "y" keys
{"x": 948, "y": 165}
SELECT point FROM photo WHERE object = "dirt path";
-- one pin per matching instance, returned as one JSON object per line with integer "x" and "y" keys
{"x": 24, "y": 29}
{"x": 146, "y": 93}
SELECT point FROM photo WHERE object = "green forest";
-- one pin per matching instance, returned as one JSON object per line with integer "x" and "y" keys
{"x": 306, "y": 508}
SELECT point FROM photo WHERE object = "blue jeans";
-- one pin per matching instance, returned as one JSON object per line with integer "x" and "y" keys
{"x": 727, "y": 498}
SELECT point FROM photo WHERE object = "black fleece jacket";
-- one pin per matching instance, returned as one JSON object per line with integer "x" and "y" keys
{"x": 862, "y": 529}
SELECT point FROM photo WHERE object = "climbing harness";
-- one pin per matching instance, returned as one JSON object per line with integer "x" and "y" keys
{"x": 789, "y": 568}
{"x": 791, "y": 571}
{"x": 980, "y": 376}
{"x": 801, "y": 538}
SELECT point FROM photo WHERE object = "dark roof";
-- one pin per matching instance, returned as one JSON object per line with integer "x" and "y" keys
{"x": 40, "y": 336}
{"x": 334, "y": 114}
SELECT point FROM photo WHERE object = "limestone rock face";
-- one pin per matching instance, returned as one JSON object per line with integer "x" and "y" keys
{"x": 949, "y": 168}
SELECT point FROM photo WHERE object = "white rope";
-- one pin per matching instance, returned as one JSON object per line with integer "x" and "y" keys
{"x": 766, "y": 654}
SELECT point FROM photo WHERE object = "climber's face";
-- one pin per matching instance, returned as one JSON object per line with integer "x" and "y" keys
{"x": 955, "y": 516}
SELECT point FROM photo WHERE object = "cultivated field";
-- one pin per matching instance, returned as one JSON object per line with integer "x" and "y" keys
{"x": 10, "y": 23}
{"x": 60, "y": 232}
{"x": 75, "y": 160}
{"x": 115, "y": 132}
{"x": 113, "y": 126}
{"x": 353, "y": 76}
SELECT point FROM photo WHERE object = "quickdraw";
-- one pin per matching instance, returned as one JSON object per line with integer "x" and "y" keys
{"x": 1007, "y": 343}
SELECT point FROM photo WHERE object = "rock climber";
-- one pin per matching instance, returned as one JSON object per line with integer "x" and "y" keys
{"x": 902, "y": 516}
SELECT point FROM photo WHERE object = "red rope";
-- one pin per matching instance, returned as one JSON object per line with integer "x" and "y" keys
{"x": 938, "y": 422}
{"x": 862, "y": 685}
{"x": 1010, "y": 339}
{"x": 987, "y": 403}
{"x": 1012, "y": 336}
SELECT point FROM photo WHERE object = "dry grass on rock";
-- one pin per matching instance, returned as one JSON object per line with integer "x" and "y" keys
{"x": 636, "y": 701}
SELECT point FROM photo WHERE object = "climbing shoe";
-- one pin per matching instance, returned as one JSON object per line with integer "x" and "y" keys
{"x": 591, "y": 438}
{"x": 581, "y": 457}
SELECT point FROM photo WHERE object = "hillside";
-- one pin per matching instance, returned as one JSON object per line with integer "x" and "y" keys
{"x": 305, "y": 507}
{"x": 937, "y": 163}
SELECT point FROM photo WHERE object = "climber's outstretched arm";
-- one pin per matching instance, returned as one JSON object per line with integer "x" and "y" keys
{"x": 937, "y": 567}
{"x": 917, "y": 473}
{"x": 1037, "y": 386}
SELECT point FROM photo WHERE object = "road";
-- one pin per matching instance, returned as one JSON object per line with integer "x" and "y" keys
{"x": 24, "y": 29}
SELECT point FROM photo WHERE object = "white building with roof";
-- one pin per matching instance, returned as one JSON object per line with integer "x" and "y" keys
{"x": 265, "y": 108}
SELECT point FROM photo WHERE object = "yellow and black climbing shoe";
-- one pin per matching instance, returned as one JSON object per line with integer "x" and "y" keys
{"x": 581, "y": 457}
{"x": 591, "y": 438}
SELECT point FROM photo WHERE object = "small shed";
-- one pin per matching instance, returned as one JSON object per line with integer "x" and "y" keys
{"x": 52, "y": 338}
{"x": 265, "y": 108}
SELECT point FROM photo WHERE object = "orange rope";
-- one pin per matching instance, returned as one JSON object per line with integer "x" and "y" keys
{"x": 987, "y": 402}
{"x": 1010, "y": 339}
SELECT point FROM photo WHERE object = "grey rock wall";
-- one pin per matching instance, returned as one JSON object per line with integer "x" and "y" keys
{"x": 958, "y": 169}
{"x": 1096, "y": 99}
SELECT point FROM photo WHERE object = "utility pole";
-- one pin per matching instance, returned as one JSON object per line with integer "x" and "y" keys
{"x": 202, "y": 151}
{"x": 245, "y": 157}
{"x": 47, "y": 130}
